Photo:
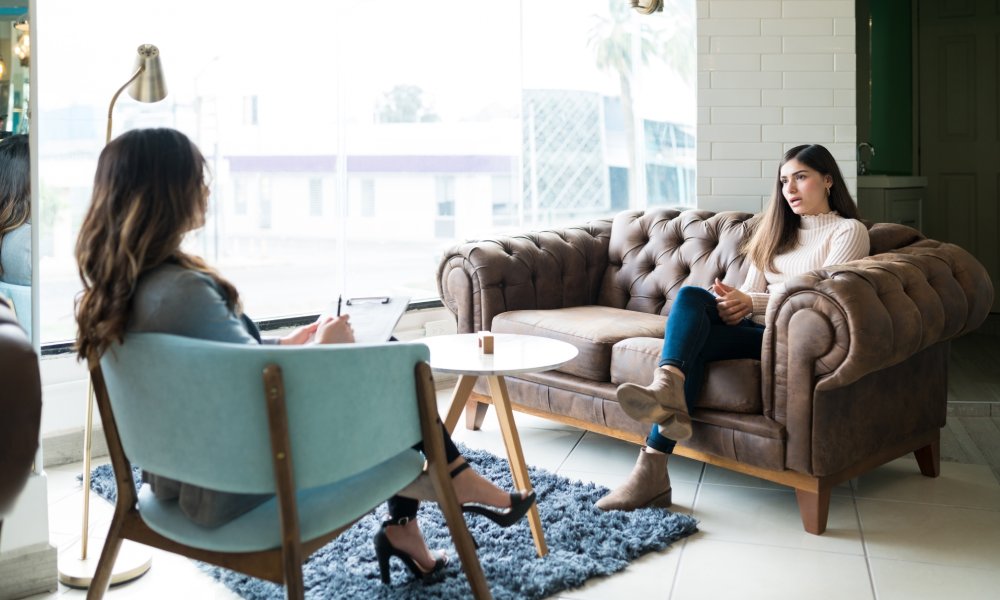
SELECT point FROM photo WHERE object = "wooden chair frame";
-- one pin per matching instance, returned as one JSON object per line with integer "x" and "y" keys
{"x": 284, "y": 564}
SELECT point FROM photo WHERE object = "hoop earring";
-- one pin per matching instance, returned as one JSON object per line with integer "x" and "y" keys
{"x": 827, "y": 192}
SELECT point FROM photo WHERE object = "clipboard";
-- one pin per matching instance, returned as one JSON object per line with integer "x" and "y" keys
{"x": 373, "y": 318}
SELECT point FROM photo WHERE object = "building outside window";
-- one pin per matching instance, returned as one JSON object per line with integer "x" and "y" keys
{"x": 368, "y": 198}
{"x": 250, "y": 110}
{"x": 264, "y": 204}
{"x": 505, "y": 213}
{"x": 444, "y": 225}
{"x": 552, "y": 114}
{"x": 315, "y": 197}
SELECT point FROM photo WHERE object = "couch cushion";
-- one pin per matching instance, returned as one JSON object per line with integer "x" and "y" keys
{"x": 594, "y": 330}
{"x": 730, "y": 385}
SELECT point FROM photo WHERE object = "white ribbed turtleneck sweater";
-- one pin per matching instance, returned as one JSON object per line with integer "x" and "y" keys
{"x": 824, "y": 240}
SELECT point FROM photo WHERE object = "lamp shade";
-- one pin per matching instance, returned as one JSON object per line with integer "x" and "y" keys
{"x": 149, "y": 86}
{"x": 647, "y": 7}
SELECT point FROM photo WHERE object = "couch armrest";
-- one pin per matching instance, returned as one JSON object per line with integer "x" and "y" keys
{"x": 555, "y": 268}
{"x": 833, "y": 326}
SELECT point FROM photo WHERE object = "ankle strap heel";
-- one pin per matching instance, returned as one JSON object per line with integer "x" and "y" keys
{"x": 384, "y": 550}
{"x": 454, "y": 472}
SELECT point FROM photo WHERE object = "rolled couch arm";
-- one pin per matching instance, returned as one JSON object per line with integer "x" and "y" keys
{"x": 837, "y": 325}
{"x": 556, "y": 268}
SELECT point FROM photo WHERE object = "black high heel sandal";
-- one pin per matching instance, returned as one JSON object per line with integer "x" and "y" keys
{"x": 384, "y": 550}
{"x": 519, "y": 505}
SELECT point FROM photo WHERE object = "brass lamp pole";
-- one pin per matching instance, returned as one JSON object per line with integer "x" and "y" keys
{"x": 145, "y": 85}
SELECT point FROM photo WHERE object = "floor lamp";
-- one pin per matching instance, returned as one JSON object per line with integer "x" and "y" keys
{"x": 77, "y": 569}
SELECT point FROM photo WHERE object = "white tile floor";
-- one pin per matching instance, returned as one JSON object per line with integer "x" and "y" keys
{"x": 891, "y": 534}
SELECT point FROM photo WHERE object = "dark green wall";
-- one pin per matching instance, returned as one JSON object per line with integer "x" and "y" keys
{"x": 891, "y": 86}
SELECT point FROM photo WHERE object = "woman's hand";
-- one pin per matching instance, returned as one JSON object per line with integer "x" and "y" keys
{"x": 335, "y": 330}
{"x": 733, "y": 304}
{"x": 299, "y": 336}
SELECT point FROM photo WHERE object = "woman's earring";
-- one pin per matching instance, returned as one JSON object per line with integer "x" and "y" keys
{"x": 827, "y": 192}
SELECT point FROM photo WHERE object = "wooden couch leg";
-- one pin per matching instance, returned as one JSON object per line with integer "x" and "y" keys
{"x": 814, "y": 510}
{"x": 475, "y": 413}
{"x": 929, "y": 458}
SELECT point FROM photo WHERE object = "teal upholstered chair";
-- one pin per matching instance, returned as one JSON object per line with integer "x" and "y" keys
{"x": 20, "y": 299}
{"x": 306, "y": 423}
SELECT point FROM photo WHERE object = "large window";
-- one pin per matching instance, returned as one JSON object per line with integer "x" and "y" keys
{"x": 351, "y": 143}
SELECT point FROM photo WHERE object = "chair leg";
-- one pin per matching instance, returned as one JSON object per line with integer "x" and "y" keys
{"x": 814, "y": 508}
{"x": 464, "y": 545}
{"x": 475, "y": 414}
{"x": 929, "y": 458}
{"x": 106, "y": 564}
{"x": 294, "y": 588}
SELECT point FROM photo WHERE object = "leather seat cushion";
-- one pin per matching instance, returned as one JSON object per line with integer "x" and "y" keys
{"x": 730, "y": 385}
{"x": 594, "y": 330}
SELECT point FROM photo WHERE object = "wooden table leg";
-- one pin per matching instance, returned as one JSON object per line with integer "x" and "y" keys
{"x": 458, "y": 399}
{"x": 518, "y": 468}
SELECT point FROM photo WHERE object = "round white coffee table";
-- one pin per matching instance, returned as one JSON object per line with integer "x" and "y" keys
{"x": 512, "y": 354}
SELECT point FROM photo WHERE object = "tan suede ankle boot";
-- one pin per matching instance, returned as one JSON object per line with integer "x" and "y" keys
{"x": 676, "y": 427}
{"x": 647, "y": 485}
{"x": 662, "y": 401}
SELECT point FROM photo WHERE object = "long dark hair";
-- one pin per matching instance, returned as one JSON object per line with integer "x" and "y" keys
{"x": 15, "y": 184}
{"x": 777, "y": 230}
{"x": 149, "y": 190}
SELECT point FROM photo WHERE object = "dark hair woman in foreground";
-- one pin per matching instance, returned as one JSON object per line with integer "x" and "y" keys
{"x": 149, "y": 191}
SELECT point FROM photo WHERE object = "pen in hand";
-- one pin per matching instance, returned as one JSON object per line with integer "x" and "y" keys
{"x": 340, "y": 297}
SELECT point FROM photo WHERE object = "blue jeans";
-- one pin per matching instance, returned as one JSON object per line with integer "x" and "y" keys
{"x": 407, "y": 507}
{"x": 696, "y": 335}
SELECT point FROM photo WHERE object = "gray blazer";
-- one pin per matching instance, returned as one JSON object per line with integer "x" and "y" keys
{"x": 172, "y": 299}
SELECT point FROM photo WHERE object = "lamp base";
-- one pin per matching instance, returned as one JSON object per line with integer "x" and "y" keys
{"x": 132, "y": 563}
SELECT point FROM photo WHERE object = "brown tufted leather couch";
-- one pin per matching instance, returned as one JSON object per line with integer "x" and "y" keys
{"x": 854, "y": 362}
{"x": 20, "y": 407}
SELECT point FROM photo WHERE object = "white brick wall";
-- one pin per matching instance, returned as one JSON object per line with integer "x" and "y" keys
{"x": 772, "y": 74}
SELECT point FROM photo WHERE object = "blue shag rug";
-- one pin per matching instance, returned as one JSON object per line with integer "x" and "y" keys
{"x": 583, "y": 542}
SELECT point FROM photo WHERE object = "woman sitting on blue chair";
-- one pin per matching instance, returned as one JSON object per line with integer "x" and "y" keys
{"x": 15, "y": 225}
{"x": 149, "y": 191}
{"x": 15, "y": 211}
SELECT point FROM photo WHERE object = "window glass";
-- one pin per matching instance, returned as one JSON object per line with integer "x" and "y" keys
{"x": 315, "y": 197}
{"x": 452, "y": 124}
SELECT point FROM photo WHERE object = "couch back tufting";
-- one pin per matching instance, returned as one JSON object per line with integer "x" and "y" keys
{"x": 653, "y": 254}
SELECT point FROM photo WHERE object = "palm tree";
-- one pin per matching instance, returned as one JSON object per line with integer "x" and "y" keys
{"x": 404, "y": 104}
{"x": 616, "y": 38}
